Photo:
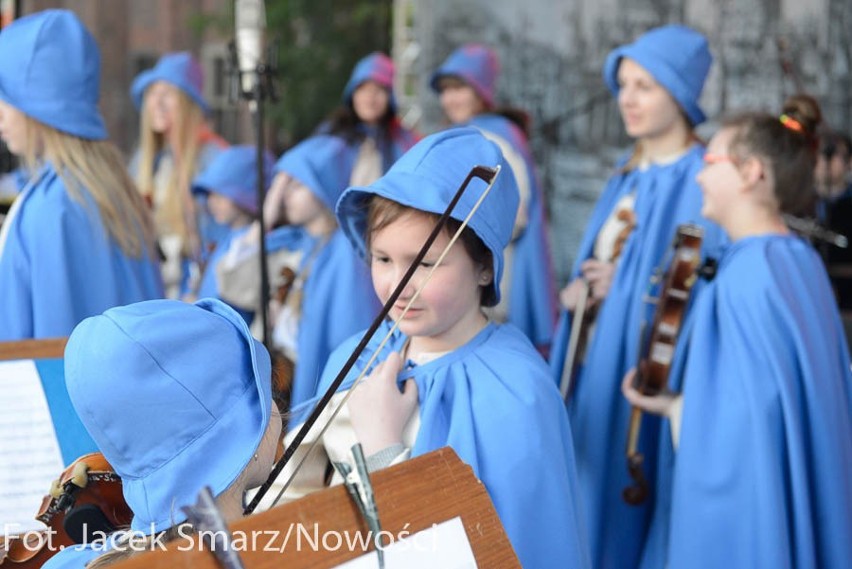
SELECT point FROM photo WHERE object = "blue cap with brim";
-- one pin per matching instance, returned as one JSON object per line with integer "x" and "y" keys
{"x": 428, "y": 176}
{"x": 50, "y": 69}
{"x": 676, "y": 56}
{"x": 179, "y": 69}
{"x": 233, "y": 174}
{"x": 177, "y": 396}
{"x": 322, "y": 163}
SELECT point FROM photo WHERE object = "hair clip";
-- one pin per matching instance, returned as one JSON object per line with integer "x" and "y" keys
{"x": 791, "y": 123}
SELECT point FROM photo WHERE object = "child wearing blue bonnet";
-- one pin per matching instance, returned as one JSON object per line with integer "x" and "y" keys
{"x": 229, "y": 185}
{"x": 449, "y": 376}
{"x": 466, "y": 83}
{"x": 78, "y": 240}
{"x": 179, "y": 419}
{"x": 320, "y": 290}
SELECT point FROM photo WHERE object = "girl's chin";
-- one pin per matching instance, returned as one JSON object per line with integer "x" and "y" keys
{"x": 707, "y": 213}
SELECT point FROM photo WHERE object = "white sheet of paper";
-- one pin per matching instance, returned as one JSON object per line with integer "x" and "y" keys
{"x": 444, "y": 545}
{"x": 29, "y": 450}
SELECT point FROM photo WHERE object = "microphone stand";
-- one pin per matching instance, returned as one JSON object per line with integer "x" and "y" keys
{"x": 262, "y": 88}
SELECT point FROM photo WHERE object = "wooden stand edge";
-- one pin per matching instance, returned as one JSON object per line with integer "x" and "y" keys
{"x": 411, "y": 496}
{"x": 33, "y": 349}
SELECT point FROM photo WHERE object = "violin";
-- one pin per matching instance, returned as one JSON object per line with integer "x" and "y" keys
{"x": 84, "y": 504}
{"x": 655, "y": 358}
{"x": 283, "y": 368}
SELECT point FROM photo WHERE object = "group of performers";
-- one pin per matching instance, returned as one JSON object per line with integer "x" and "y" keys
{"x": 152, "y": 272}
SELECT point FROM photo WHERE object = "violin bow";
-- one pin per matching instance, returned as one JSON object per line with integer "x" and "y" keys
{"x": 489, "y": 176}
{"x": 585, "y": 311}
{"x": 567, "y": 377}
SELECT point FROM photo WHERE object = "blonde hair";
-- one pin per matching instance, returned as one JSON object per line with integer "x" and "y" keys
{"x": 98, "y": 167}
{"x": 176, "y": 214}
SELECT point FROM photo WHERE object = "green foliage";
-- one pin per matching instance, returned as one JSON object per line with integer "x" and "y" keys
{"x": 319, "y": 43}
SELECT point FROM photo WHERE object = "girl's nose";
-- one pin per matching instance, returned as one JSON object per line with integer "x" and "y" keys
{"x": 410, "y": 286}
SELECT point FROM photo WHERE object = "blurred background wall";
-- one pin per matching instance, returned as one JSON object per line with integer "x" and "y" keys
{"x": 552, "y": 52}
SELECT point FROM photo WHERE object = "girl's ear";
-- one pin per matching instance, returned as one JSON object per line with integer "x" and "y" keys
{"x": 752, "y": 170}
{"x": 486, "y": 276}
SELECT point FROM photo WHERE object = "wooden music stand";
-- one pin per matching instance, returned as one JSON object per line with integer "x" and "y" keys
{"x": 33, "y": 349}
{"x": 411, "y": 496}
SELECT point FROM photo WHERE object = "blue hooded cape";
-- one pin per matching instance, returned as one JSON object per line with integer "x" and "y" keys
{"x": 532, "y": 297}
{"x": 337, "y": 301}
{"x": 761, "y": 476}
{"x": 59, "y": 265}
{"x": 392, "y": 142}
{"x": 666, "y": 196}
{"x": 391, "y": 147}
{"x": 493, "y": 402}
{"x": 338, "y": 297}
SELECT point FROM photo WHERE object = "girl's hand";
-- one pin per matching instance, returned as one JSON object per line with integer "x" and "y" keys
{"x": 599, "y": 276}
{"x": 570, "y": 295}
{"x": 661, "y": 404}
{"x": 274, "y": 210}
{"x": 378, "y": 410}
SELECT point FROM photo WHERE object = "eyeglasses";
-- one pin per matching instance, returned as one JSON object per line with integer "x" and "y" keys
{"x": 710, "y": 158}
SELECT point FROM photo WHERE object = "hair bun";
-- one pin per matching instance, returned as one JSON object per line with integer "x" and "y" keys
{"x": 805, "y": 110}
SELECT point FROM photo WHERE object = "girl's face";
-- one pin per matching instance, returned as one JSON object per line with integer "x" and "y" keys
{"x": 720, "y": 179}
{"x": 648, "y": 110}
{"x": 370, "y": 101}
{"x": 300, "y": 204}
{"x": 162, "y": 103}
{"x": 223, "y": 209}
{"x": 13, "y": 128}
{"x": 447, "y": 313}
{"x": 460, "y": 101}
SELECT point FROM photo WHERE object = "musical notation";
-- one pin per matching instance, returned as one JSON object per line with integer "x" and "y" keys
{"x": 29, "y": 450}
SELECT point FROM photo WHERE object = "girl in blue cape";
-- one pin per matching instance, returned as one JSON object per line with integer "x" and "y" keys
{"x": 465, "y": 83}
{"x": 448, "y": 376}
{"x": 756, "y": 472}
{"x": 325, "y": 293}
{"x": 368, "y": 121}
{"x": 658, "y": 80}
{"x": 229, "y": 186}
{"x": 207, "y": 414}
{"x": 78, "y": 239}
{"x": 176, "y": 144}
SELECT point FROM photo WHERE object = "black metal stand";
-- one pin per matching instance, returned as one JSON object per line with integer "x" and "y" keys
{"x": 262, "y": 89}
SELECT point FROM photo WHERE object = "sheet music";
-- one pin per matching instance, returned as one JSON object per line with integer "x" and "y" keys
{"x": 29, "y": 450}
{"x": 443, "y": 545}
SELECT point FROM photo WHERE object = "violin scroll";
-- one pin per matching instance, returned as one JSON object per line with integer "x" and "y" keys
{"x": 86, "y": 499}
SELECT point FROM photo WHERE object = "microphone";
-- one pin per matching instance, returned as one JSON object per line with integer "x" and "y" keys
{"x": 250, "y": 18}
